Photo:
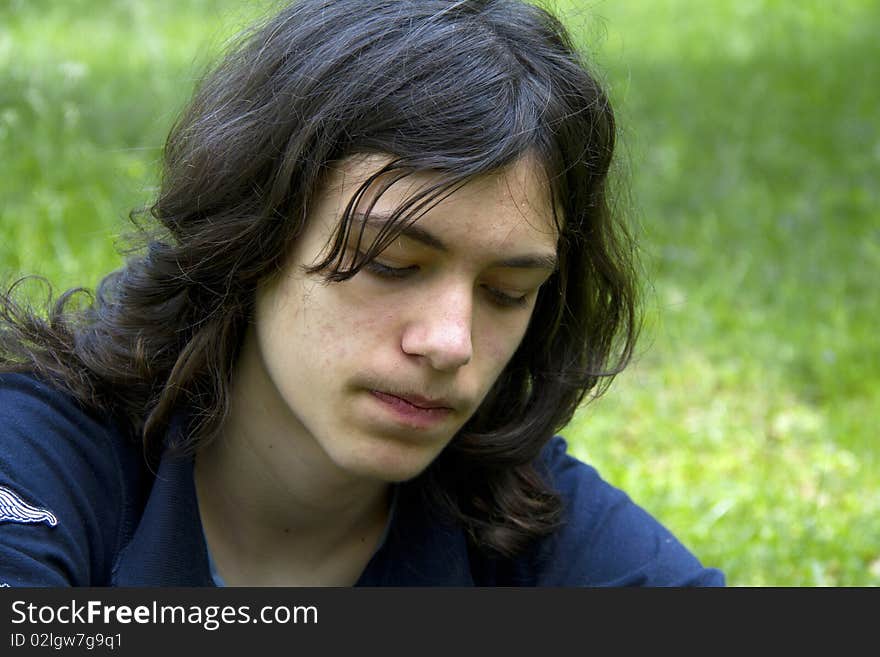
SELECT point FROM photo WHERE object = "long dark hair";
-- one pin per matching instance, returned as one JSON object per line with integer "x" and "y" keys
{"x": 455, "y": 87}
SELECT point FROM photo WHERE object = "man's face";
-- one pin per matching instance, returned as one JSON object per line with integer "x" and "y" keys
{"x": 375, "y": 375}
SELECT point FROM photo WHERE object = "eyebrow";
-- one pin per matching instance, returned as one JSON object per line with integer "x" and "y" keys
{"x": 418, "y": 234}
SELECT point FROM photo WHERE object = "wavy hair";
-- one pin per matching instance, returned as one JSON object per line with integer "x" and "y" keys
{"x": 458, "y": 88}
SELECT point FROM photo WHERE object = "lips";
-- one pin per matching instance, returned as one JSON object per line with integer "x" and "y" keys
{"x": 412, "y": 411}
{"x": 418, "y": 401}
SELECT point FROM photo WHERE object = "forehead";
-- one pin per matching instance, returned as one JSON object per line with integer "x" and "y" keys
{"x": 509, "y": 207}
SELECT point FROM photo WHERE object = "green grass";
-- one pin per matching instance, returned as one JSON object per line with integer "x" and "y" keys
{"x": 88, "y": 91}
{"x": 747, "y": 422}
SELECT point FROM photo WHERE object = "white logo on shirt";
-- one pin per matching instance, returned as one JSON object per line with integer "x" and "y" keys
{"x": 15, "y": 509}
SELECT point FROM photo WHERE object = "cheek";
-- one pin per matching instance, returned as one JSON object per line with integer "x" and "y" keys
{"x": 298, "y": 327}
{"x": 500, "y": 340}
{"x": 500, "y": 351}
{"x": 343, "y": 327}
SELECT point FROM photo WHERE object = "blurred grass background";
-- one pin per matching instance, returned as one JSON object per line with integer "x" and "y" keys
{"x": 749, "y": 134}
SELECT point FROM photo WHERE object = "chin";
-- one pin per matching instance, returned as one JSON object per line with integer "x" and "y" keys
{"x": 389, "y": 463}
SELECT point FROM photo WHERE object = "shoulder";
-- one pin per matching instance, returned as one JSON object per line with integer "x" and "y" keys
{"x": 606, "y": 539}
{"x": 67, "y": 479}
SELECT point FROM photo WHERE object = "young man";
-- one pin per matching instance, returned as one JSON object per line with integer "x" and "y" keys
{"x": 388, "y": 274}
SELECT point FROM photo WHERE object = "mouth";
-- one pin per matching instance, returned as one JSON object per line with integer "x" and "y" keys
{"x": 418, "y": 401}
{"x": 413, "y": 410}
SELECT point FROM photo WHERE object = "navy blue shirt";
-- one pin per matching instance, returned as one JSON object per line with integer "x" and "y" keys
{"x": 78, "y": 506}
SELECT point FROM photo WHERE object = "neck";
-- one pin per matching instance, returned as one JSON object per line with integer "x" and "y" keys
{"x": 270, "y": 498}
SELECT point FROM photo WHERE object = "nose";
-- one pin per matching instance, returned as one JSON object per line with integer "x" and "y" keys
{"x": 440, "y": 330}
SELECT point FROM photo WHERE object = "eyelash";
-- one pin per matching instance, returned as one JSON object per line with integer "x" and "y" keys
{"x": 384, "y": 271}
{"x": 497, "y": 296}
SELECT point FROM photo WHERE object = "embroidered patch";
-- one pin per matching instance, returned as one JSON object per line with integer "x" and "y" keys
{"x": 15, "y": 509}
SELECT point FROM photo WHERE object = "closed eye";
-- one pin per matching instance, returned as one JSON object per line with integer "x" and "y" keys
{"x": 506, "y": 300}
{"x": 386, "y": 271}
